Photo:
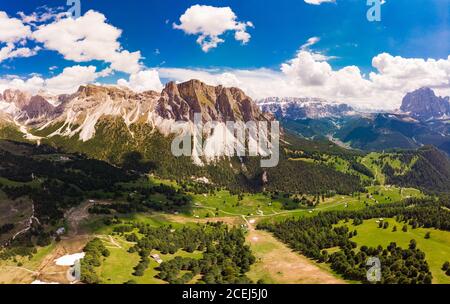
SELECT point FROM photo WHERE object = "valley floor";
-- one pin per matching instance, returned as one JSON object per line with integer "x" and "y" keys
{"x": 278, "y": 264}
{"x": 275, "y": 261}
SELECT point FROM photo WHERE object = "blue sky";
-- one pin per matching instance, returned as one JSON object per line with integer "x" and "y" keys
{"x": 409, "y": 29}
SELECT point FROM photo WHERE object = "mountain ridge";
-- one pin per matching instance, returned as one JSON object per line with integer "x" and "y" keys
{"x": 423, "y": 104}
{"x": 303, "y": 108}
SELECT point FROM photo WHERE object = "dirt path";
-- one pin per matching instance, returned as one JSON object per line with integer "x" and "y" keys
{"x": 278, "y": 264}
{"x": 73, "y": 242}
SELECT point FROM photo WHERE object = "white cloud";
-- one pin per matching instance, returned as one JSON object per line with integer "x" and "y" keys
{"x": 307, "y": 70}
{"x": 304, "y": 75}
{"x": 32, "y": 85}
{"x": 67, "y": 82}
{"x": 43, "y": 14}
{"x": 12, "y": 29}
{"x": 209, "y": 23}
{"x": 319, "y": 56}
{"x": 143, "y": 81}
{"x": 72, "y": 78}
{"x": 318, "y": 2}
{"x": 13, "y": 33}
{"x": 310, "y": 42}
{"x": 11, "y": 51}
{"x": 88, "y": 38}
{"x": 398, "y": 73}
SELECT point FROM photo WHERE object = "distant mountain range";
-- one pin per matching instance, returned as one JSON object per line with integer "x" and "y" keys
{"x": 116, "y": 125}
{"x": 422, "y": 120}
{"x": 298, "y": 108}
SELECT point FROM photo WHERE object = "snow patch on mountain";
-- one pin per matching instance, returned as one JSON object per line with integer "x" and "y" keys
{"x": 302, "y": 108}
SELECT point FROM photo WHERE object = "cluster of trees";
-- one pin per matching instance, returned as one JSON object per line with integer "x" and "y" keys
{"x": 56, "y": 182}
{"x": 358, "y": 167}
{"x": 312, "y": 236}
{"x": 94, "y": 251}
{"x": 145, "y": 198}
{"x": 398, "y": 266}
{"x": 430, "y": 172}
{"x": 197, "y": 187}
{"x": 17, "y": 250}
{"x": 302, "y": 177}
{"x": 446, "y": 268}
{"x": 61, "y": 184}
{"x": 226, "y": 258}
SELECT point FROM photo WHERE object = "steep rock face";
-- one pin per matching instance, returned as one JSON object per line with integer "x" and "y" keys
{"x": 79, "y": 113}
{"x": 37, "y": 107}
{"x": 181, "y": 101}
{"x": 301, "y": 108}
{"x": 423, "y": 104}
{"x": 16, "y": 97}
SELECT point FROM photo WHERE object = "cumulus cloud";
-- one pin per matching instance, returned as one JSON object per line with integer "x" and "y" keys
{"x": 13, "y": 33}
{"x": 11, "y": 51}
{"x": 32, "y": 84}
{"x": 210, "y": 23}
{"x": 143, "y": 81}
{"x": 88, "y": 38}
{"x": 12, "y": 29}
{"x": 67, "y": 82}
{"x": 305, "y": 75}
{"x": 72, "y": 78}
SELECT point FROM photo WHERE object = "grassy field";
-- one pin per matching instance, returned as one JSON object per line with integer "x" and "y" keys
{"x": 118, "y": 267}
{"x": 229, "y": 205}
{"x": 437, "y": 248}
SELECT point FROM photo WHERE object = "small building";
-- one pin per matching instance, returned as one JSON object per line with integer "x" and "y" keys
{"x": 61, "y": 231}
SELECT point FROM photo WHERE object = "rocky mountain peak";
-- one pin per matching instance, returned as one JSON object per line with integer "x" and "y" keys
{"x": 37, "y": 107}
{"x": 423, "y": 104}
{"x": 16, "y": 97}
{"x": 218, "y": 103}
